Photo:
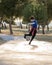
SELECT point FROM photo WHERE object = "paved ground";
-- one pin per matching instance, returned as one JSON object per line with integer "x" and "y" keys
{"x": 12, "y": 58}
{"x": 20, "y": 53}
{"x": 45, "y": 37}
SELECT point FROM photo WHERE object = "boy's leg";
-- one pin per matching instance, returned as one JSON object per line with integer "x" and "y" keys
{"x": 27, "y": 35}
{"x": 30, "y": 33}
{"x": 32, "y": 37}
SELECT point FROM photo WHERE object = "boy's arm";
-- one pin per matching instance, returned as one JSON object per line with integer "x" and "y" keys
{"x": 30, "y": 23}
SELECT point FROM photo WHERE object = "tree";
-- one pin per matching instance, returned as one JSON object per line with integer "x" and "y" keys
{"x": 7, "y": 8}
{"x": 12, "y": 8}
{"x": 41, "y": 15}
{"x": 48, "y": 4}
{"x": 0, "y": 25}
{"x": 20, "y": 5}
{"x": 49, "y": 7}
{"x": 27, "y": 12}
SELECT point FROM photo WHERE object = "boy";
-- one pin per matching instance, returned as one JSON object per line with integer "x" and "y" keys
{"x": 33, "y": 30}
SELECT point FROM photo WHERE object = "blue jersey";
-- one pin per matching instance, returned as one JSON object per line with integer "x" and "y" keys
{"x": 34, "y": 24}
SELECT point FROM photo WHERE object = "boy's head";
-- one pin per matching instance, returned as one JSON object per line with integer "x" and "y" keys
{"x": 32, "y": 18}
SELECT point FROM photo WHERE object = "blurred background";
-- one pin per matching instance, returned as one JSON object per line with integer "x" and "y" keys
{"x": 15, "y": 14}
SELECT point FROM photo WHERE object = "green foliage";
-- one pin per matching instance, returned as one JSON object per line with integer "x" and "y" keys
{"x": 48, "y": 4}
{"x": 8, "y": 7}
{"x": 50, "y": 11}
{"x": 21, "y": 4}
{"x": 12, "y": 7}
{"x": 38, "y": 10}
{"x": 41, "y": 14}
{"x": 27, "y": 12}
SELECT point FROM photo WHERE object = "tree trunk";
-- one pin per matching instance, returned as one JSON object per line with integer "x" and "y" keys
{"x": 47, "y": 28}
{"x": 10, "y": 26}
{"x": 43, "y": 30}
{"x": 0, "y": 27}
{"x": 0, "y": 30}
{"x": 38, "y": 27}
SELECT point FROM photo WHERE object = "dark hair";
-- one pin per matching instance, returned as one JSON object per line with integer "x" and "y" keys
{"x": 32, "y": 17}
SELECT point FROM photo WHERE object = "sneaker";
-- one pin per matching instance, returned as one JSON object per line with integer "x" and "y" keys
{"x": 29, "y": 43}
{"x": 25, "y": 36}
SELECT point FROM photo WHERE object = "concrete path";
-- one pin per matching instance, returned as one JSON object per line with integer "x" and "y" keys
{"x": 18, "y": 52}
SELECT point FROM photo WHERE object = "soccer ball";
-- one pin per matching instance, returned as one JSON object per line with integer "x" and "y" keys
{"x": 27, "y": 38}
